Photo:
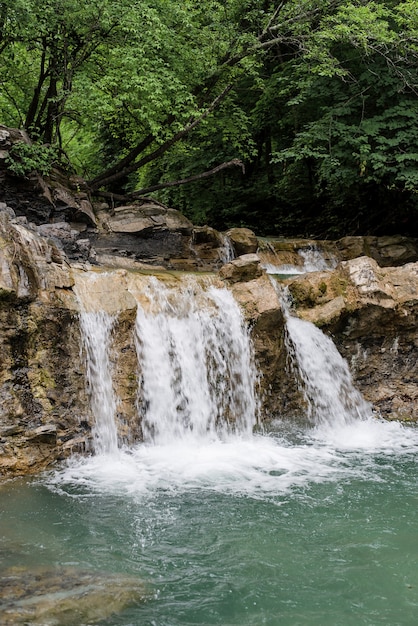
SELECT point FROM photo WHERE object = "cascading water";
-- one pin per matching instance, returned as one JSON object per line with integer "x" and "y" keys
{"x": 96, "y": 329}
{"x": 325, "y": 378}
{"x": 226, "y": 251}
{"x": 214, "y": 517}
{"x": 196, "y": 366}
{"x": 313, "y": 260}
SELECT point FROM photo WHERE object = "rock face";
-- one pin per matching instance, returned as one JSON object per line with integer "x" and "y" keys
{"x": 158, "y": 236}
{"x": 386, "y": 251}
{"x": 243, "y": 240}
{"x": 43, "y": 403}
{"x": 371, "y": 313}
{"x": 53, "y": 198}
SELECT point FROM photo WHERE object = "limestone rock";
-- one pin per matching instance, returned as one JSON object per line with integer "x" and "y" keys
{"x": 386, "y": 251}
{"x": 141, "y": 219}
{"x": 243, "y": 240}
{"x": 244, "y": 268}
{"x": 372, "y": 315}
{"x": 64, "y": 595}
{"x": 261, "y": 308}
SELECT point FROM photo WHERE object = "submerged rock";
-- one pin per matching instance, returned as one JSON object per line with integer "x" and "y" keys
{"x": 65, "y": 596}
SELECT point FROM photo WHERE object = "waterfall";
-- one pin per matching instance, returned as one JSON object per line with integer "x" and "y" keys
{"x": 196, "y": 364}
{"x": 96, "y": 328}
{"x": 226, "y": 251}
{"x": 324, "y": 375}
{"x": 196, "y": 372}
{"x": 313, "y": 260}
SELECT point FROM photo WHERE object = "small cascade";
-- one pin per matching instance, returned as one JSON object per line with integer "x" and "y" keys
{"x": 312, "y": 259}
{"x": 96, "y": 329}
{"x": 315, "y": 261}
{"x": 196, "y": 364}
{"x": 226, "y": 251}
{"x": 325, "y": 378}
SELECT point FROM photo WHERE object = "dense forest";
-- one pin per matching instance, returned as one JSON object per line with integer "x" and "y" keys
{"x": 293, "y": 117}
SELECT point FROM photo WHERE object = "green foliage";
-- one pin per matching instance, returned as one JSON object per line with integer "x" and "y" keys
{"x": 24, "y": 158}
{"x": 318, "y": 98}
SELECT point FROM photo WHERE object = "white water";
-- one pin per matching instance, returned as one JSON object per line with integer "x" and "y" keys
{"x": 196, "y": 364}
{"x": 96, "y": 329}
{"x": 323, "y": 375}
{"x": 191, "y": 346}
{"x": 226, "y": 252}
{"x": 325, "y": 378}
{"x": 313, "y": 260}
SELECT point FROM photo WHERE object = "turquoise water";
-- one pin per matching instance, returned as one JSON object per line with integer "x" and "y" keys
{"x": 295, "y": 528}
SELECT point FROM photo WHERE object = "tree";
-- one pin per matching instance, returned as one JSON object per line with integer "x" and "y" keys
{"x": 146, "y": 94}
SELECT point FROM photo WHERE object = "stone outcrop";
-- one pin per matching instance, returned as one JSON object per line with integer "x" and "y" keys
{"x": 386, "y": 251}
{"x": 371, "y": 313}
{"x": 243, "y": 240}
{"x": 42, "y": 199}
{"x": 245, "y": 267}
{"x": 262, "y": 310}
{"x": 43, "y": 402}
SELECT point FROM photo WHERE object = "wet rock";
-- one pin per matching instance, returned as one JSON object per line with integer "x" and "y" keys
{"x": 262, "y": 310}
{"x": 244, "y": 268}
{"x": 386, "y": 251}
{"x": 65, "y": 596}
{"x": 243, "y": 240}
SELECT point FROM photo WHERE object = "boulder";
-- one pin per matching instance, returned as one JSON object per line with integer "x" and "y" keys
{"x": 145, "y": 232}
{"x": 244, "y": 268}
{"x": 144, "y": 218}
{"x": 243, "y": 240}
{"x": 386, "y": 251}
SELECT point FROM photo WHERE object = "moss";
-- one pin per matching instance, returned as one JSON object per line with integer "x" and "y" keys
{"x": 45, "y": 379}
{"x": 323, "y": 287}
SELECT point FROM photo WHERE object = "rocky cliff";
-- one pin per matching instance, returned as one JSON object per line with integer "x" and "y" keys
{"x": 367, "y": 300}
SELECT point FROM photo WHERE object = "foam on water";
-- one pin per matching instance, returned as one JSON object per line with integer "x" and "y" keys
{"x": 197, "y": 371}
{"x": 256, "y": 466}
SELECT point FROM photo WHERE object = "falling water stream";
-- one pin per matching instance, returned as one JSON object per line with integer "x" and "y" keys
{"x": 312, "y": 523}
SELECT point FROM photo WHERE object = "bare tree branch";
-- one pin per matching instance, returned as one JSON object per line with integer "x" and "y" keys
{"x": 190, "y": 179}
